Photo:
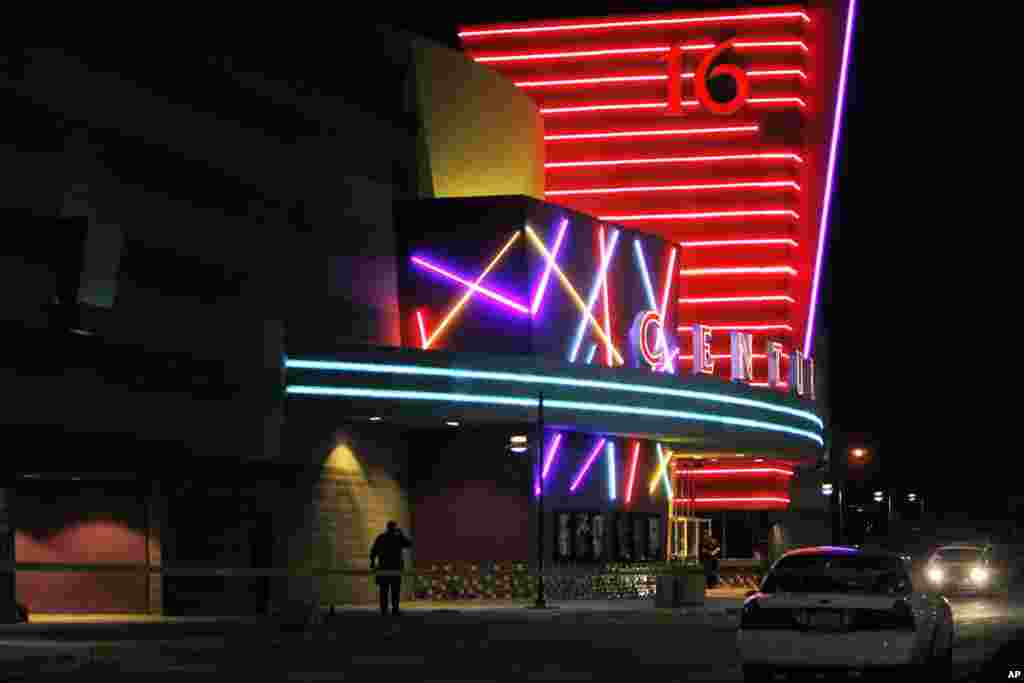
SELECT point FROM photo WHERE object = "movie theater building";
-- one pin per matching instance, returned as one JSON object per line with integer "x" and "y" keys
{"x": 630, "y": 288}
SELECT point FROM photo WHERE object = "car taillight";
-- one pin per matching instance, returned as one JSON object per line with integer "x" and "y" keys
{"x": 754, "y": 615}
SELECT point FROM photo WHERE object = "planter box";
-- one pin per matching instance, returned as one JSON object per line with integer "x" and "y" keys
{"x": 680, "y": 590}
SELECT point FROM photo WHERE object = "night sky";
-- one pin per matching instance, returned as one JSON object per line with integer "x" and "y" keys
{"x": 910, "y": 352}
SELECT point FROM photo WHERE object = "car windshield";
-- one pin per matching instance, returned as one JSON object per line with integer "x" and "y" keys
{"x": 958, "y": 555}
{"x": 837, "y": 574}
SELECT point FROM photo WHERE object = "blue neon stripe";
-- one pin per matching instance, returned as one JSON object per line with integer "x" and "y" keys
{"x": 340, "y": 366}
{"x": 532, "y": 402}
{"x": 648, "y": 287}
{"x": 592, "y": 298}
{"x": 611, "y": 470}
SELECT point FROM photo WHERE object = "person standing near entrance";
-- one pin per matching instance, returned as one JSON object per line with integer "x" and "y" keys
{"x": 386, "y": 555}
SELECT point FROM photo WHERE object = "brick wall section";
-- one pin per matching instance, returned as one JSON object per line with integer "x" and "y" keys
{"x": 353, "y": 484}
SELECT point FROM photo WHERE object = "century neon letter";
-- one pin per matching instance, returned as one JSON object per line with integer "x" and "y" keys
{"x": 742, "y": 346}
{"x": 703, "y": 362}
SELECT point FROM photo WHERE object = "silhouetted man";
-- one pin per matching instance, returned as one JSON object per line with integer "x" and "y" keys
{"x": 386, "y": 554}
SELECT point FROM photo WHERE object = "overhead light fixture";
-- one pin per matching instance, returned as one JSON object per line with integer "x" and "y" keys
{"x": 517, "y": 443}
{"x": 452, "y": 423}
{"x": 826, "y": 489}
{"x": 376, "y": 418}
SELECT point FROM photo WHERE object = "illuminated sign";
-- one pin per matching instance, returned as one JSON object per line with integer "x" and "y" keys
{"x": 710, "y": 63}
{"x": 742, "y": 346}
{"x": 703, "y": 362}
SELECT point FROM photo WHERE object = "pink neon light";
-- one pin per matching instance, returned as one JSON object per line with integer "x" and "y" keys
{"x": 737, "y": 299}
{"x": 632, "y": 471}
{"x": 745, "y": 270}
{"x": 733, "y": 500}
{"x": 653, "y": 49}
{"x": 739, "y": 243}
{"x": 666, "y": 288}
{"x": 830, "y": 179}
{"x": 638, "y": 106}
{"x": 586, "y": 465}
{"x": 552, "y": 450}
{"x": 702, "y": 214}
{"x": 768, "y": 184}
{"x": 764, "y": 385}
{"x": 475, "y": 287}
{"x": 423, "y": 329}
{"x": 740, "y": 326}
{"x": 632, "y": 23}
{"x": 653, "y": 133}
{"x": 604, "y": 291}
{"x": 774, "y": 156}
{"x": 726, "y": 356}
{"x": 689, "y": 75}
{"x": 539, "y": 296}
{"x": 751, "y": 470}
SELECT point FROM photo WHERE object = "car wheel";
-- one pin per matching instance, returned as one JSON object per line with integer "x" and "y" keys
{"x": 753, "y": 673}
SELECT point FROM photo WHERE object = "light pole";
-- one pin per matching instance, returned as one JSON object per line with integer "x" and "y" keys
{"x": 541, "y": 603}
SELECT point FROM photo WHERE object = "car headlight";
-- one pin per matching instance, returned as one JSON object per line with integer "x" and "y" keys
{"x": 979, "y": 575}
{"x": 935, "y": 575}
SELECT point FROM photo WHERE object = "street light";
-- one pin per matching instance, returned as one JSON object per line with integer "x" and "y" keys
{"x": 859, "y": 452}
{"x": 879, "y": 495}
{"x": 826, "y": 489}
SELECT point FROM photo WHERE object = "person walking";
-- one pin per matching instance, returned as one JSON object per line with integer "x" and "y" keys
{"x": 386, "y": 555}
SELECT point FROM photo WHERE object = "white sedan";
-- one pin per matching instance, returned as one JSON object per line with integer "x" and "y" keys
{"x": 833, "y": 609}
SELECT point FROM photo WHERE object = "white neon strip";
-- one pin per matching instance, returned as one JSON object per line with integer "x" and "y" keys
{"x": 702, "y": 214}
{"x": 645, "y": 275}
{"x": 547, "y": 270}
{"x": 741, "y": 243}
{"x": 592, "y": 297}
{"x": 611, "y": 470}
{"x": 823, "y": 227}
{"x": 771, "y": 156}
{"x": 687, "y": 76}
{"x": 697, "y": 187}
{"x": 737, "y": 299}
{"x": 693, "y": 104}
{"x": 654, "y": 133}
{"x": 527, "y": 378}
{"x": 634, "y": 23}
{"x": 751, "y": 270}
{"x": 764, "y": 385}
{"x": 590, "y": 354}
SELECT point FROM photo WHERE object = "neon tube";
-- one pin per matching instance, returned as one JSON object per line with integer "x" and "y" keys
{"x": 830, "y": 179}
{"x": 552, "y": 450}
{"x": 688, "y": 75}
{"x": 742, "y": 326}
{"x": 737, "y": 299}
{"x": 726, "y": 356}
{"x": 635, "y": 23}
{"x": 423, "y": 329}
{"x": 645, "y": 277}
{"x": 763, "y": 185}
{"x": 768, "y": 499}
{"x": 592, "y": 299}
{"x": 604, "y": 291}
{"x": 640, "y": 106}
{"x": 610, "y": 447}
{"x": 586, "y": 466}
{"x": 698, "y": 215}
{"x": 752, "y": 470}
{"x": 669, "y": 272}
{"x": 764, "y": 385}
{"x": 590, "y": 355}
{"x": 572, "y": 291}
{"x": 746, "y": 270}
{"x": 632, "y": 472}
{"x": 742, "y": 243}
{"x": 653, "y": 133}
{"x": 539, "y": 296}
{"x": 468, "y": 295}
{"x": 453, "y": 397}
{"x": 653, "y": 49}
{"x": 527, "y": 378}
{"x": 661, "y": 472}
{"x": 473, "y": 286}
{"x": 699, "y": 159}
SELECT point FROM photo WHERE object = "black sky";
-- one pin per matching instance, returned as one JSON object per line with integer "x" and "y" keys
{"x": 902, "y": 298}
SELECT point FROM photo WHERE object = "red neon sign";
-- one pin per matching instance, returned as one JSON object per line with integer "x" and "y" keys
{"x": 707, "y": 69}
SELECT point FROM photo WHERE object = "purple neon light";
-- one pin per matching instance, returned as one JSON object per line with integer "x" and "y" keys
{"x": 473, "y": 286}
{"x": 552, "y": 451}
{"x": 830, "y": 177}
{"x": 538, "y": 297}
{"x": 586, "y": 465}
